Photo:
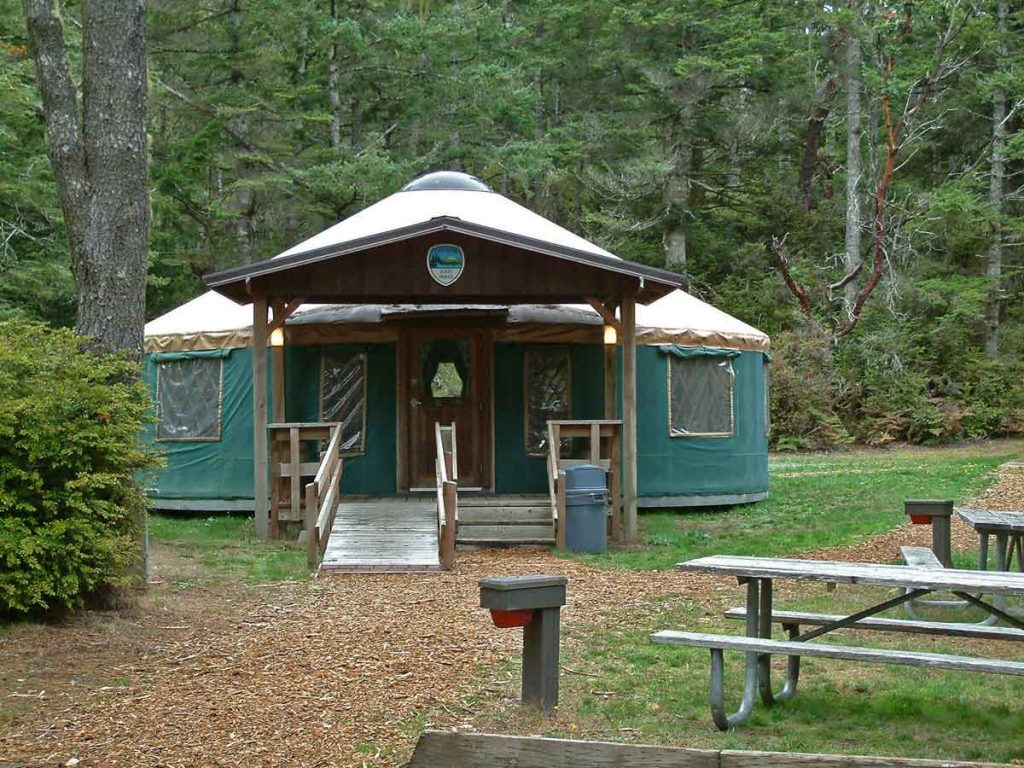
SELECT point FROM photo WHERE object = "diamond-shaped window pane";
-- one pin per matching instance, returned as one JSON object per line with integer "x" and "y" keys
{"x": 446, "y": 382}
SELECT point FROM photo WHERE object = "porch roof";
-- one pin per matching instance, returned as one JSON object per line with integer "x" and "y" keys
{"x": 514, "y": 256}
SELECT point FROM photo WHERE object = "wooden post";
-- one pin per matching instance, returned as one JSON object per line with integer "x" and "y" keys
{"x": 611, "y": 380}
{"x": 629, "y": 418}
{"x": 293, "y": 459}
{"x": 260, "y": 484}
{"x": 277, "y": 363}
{"x": 451, "y": 494}
{"x": 560, "y": 505}
{"x": 615, "y": 462}
{"x": 312, "y": 534}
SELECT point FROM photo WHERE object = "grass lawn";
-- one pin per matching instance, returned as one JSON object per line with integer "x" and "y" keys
{"x": 815, "y": 501}
{"x": 224, "y": 548}
{"x": 621, "y": 687}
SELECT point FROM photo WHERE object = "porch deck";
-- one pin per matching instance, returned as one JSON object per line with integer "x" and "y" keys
{"x": 389, "y": 535}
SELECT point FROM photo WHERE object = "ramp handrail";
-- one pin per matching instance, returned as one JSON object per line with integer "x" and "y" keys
{"x": 322, "y": 498}
{"x": 447, "y": 473}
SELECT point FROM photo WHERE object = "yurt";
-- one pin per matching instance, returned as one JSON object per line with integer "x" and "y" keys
{"x": 447, "y": 302}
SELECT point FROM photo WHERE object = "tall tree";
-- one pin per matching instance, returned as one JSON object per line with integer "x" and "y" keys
{"x": 851, "y": 253}
{"x": 98, "y": 153}
{"x": 995, "y": 195}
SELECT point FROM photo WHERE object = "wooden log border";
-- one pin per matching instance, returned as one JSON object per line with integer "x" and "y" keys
{"x": 446, "y": 749}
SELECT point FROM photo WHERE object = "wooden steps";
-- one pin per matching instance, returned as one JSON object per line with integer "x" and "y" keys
{"x": 504, "y": 521}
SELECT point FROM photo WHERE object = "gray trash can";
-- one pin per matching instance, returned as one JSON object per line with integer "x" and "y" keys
{"x": 586, "y": 514}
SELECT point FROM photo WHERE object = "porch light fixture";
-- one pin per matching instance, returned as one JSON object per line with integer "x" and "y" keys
{"x": 277, "y": 337}
{"x": 610, "y": 336}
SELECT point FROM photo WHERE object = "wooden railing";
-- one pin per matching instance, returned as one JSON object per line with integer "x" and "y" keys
{"x": 322, "y": 498}
{"x": 604, "y": 450}
{"x": 290, "y": 443}
{"x": 447, "y": 470}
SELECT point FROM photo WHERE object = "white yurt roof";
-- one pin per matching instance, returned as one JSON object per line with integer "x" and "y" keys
{"x": 404, "y": 209}
{"x": 213, "y": 321}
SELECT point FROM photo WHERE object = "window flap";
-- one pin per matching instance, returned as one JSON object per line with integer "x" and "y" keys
{"x": 686, "y": 353}
{"x": 204, "y": 354}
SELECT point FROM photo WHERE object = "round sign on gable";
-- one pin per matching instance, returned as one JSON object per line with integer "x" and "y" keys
{"x": 445, "y": 263}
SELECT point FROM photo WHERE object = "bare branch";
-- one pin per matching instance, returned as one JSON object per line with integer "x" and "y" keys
{"x": 782, "y": 261}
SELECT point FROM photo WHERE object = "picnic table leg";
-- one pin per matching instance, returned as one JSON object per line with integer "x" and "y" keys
{"x": 723, "y": 721}
{"x": 982, "y": 551}
{"x": 764, "y": 661}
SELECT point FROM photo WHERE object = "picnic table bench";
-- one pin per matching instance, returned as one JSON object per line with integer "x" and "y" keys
{"x": 758, "y": 573}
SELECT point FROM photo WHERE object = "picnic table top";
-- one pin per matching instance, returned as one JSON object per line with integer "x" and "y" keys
{"x": 995, "y": 520}
{"x": 838, "y": 572}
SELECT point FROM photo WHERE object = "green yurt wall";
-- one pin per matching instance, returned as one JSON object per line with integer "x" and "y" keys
{"x": 515, "y": 471}
{"x": 700, "y": 466}
{"x": 374, "y": 471}
{"x": 219, "y": 470}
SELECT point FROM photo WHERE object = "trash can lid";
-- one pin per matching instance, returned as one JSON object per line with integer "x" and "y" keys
{"x": 585, "y": 477}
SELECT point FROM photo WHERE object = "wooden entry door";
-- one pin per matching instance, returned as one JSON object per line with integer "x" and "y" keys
{"x": 448, "y": 379}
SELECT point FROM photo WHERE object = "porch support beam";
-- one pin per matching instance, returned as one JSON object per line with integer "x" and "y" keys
{"x": 607, "y": 314}
{"x": 629, "y": 485}
{"x": 260, "y": 484}
{"x": 281, "y": 311}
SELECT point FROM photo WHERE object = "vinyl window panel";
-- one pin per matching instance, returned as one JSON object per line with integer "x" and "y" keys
{"x": 700, "y": 396}
{"x": 343, "y": 398}
{"x": 189, "y": 400}
{"x": 547, "y": 393}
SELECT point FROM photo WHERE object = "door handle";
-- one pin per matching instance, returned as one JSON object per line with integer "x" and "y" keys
{"x": 414, "y": 402}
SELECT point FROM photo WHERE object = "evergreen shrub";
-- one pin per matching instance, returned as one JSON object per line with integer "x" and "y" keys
{"x": 71, "y": 499}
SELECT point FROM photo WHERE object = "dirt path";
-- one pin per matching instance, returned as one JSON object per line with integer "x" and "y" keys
{"x": 342, "y": 671}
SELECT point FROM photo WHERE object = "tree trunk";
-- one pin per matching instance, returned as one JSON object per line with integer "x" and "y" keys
{"x": 851, "y": 254}
{"x": 332, "y": 82}
{"x": 677, "y": 196}
{"x": 994, "y": 268}
{"x": 100, "y": 161}
{"x": 815, "y": 131}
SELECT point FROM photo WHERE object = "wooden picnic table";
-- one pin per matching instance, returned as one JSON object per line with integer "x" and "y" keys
{"x": 1007, "y": 527}
{"x": 912, "y": 582}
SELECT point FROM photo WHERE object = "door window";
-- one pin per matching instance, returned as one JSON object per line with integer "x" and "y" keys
{"x": 444, "y": 365}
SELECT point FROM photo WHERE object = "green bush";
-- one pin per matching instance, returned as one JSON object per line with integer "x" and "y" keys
{"x": 71, "y": 502}
{"x": 804, "y": 392}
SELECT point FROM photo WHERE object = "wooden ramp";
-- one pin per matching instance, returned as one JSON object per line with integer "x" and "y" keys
{"x": 383, "y": 536}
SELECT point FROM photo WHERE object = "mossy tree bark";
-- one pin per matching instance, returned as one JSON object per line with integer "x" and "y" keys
{"x": 98, "y": 153}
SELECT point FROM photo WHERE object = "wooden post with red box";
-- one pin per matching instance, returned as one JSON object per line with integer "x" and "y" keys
{"x": 937, "y": 514}
{"x": 533, "y": 603}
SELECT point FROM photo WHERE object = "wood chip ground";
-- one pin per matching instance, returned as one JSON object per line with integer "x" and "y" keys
{"x": 346, "y": 670}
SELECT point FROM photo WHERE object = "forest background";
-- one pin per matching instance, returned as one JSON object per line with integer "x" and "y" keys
{"x": 847, "y": 177}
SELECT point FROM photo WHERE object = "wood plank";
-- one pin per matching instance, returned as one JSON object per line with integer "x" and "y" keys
{"x": 506, "y": 532}
{"x": 629, "y": 426}
{"x": 261, "y": 485}
{"x": 390, "y": 535}
{"x": 949, "y": 629}
{"x": 482, "y": 750}
{"x": 845, "y": 652}
{"x": 837, "y": 572}
{"x": 993, "y": 520}
{"x": 920, "y": 557}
